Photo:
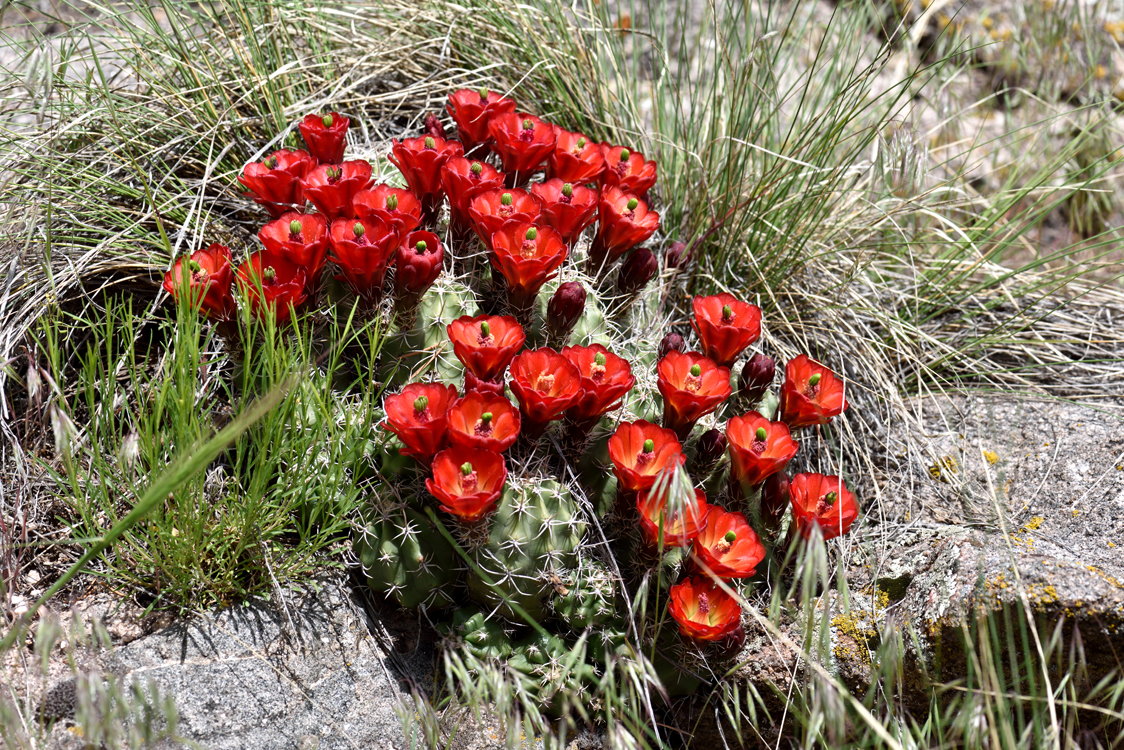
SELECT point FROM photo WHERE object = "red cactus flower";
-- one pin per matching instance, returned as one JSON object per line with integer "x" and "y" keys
{"x": 467, "y": 482}
{"x": 522, "y": 142}
{"x": 625, "y": 223}
{"x": 462, "y": 180}
{"x": 703, "y": 611}
{"x": 301, "y": 239}
{"x": 275, "y": 181}
{"x": 680, "y": 526}
{"x": 811, "y": 394}
{"x": 331, "y": 187}
{"x": 418, "y": 415}
{"x": 420, "y": 161}
{"x": 418, "y": 263}
{"x": 272, "y": 285}
{"x": 209, "y": 278}
{"x": 399, "y": 208}
{"x": 528, "y": 256}
{"x": 485, "y": 421}
{"x": 640, "y": 451}
{"x": 326, "y": 136}
{"x": 546, "y": 384}
{"x": 726, "y": 326}
{"x": 567, "y": 207}
{"x": 490, "y": 210}
{"x": 627, "y": 170}
{"x": 605, "y": 379}
{"x": 757, "y": 448}
{"x": 363, "y": 248}
{"x": 728, "y": 546}
{"x": 575, "y": 158}
{"x": 692, "y": 387}
{"x": 824, "y": 502}
{"x": 472, "y": 111}
{"x": 486, "y": 344}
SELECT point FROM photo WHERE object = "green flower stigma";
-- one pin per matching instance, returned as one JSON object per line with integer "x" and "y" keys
{"x": 486, "y": 417}
{"x": 420, "y": 403}
{"x": 430, "y": 143}
{"x": 392, "y": 203}
{"x": 466, "y": 468}
{"x": 485, "y": 330}
{"x": 528, "y": 125}
{"x": 624, "y": 154}
{"x": 567, "y": 190}
{"x": 506, "y": 199}
{"x": 632, "y": 204}
{"x": 649, "y": 446}
{"x": 599, "y": 359}
{"x": 358, "y": 229}
{"x": 327, "y": 120}
{"x": 269, "y": 274}
{"x": 761, "y": 434}
{"x": 815, "y": 379}
{"x": 483, "y": 93}
{"x": 294, "y": 227}
{"x": 581, "y": 143}
{"x": 420, "y": 247}
{"x": 696, "y": 371}
{"x": 727, "y": 312}
{"x": 194, "y": 266}
{"x": 532, "y": 233}
{"x": 830, "y": 498}
{"x": 730, "y": 537}
{"x": 476, "y": 168}
{"x": 271, "y": 162}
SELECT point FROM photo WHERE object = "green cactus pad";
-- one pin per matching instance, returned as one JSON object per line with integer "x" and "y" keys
{"x": 587, "y": 598}
{"x": 531, "y": 544}
{"x": 553, "y": 671}
{"x": 480, "y": 637}
{"x": 405, "y": 557}
{"x": 411, "y": 356}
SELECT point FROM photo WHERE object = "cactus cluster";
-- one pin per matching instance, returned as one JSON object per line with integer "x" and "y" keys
{"x": 539, "y": 436}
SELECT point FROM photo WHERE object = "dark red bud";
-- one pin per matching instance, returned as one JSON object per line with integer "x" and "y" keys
{"x": 711, "y": 446}
{"x": 433, "y": 126}
{"x": 637, "y": 270}
{"x": 756, "y": 377}
{"x": 774, "y": 500}
{"x": 676, "y": 255}
{"x": 564, "y": 309}
{"x": 672, "y": 342}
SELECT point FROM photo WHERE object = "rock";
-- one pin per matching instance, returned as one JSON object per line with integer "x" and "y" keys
{"x": 243, "y": 678}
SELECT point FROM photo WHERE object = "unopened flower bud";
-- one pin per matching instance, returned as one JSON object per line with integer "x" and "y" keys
{"x": 433, "y": 126}
{"x": 756, "y": 377}
{"x": 711, "y": 446}
{"x": 564, "y": 310}
{"x": 672, "y": 342}
{"x": 676, "y": 255}
{"x": 637, "y": 270}
{"x": 774, "y": 500}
